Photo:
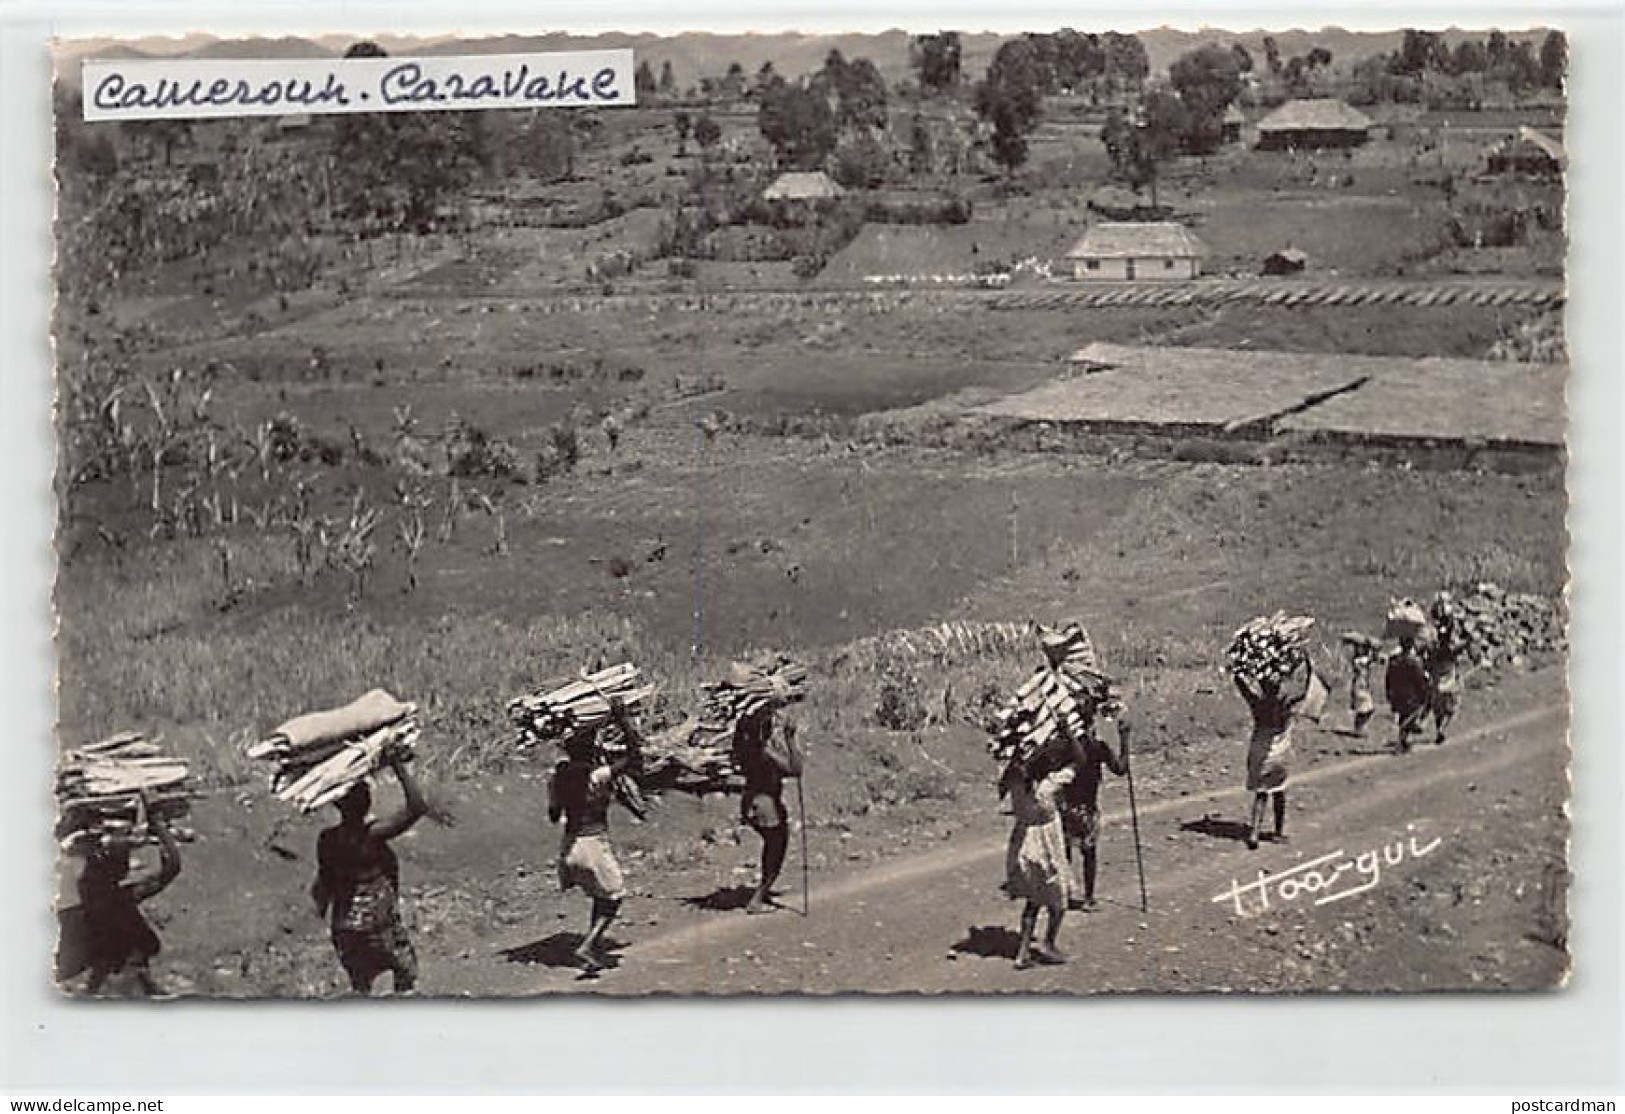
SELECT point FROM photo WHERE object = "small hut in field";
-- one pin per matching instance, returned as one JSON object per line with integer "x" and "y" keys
{"x": 1529, "y": 153}
{"x": 802, "y": 186}
{"x": 1309, "y": 125}
{"x": 1133, "y": 251}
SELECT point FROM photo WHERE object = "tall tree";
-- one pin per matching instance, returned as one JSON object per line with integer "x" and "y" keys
{"x": 1244, "y": 59}
{"x": 1469, "y": 57}
{"x": 936, "y": 58}
{"x": 799, "y": 123}
{"x": 643, "y": 82}
{"x": 1127, "y": 63}
{"x": 1138, "y": 149}
{"x": 396, "y": 169}
{"x": 1009, "y": 99}
{"x": 922, "y": 155}
{"x": 1554, "y": 59}
{"x": 860, "y": 94}
{"x": 668, "y": 80}
{"x": 1207, "y": 81}
{"x": 1420, "y": 52}
{"x": 1272, "y": 55}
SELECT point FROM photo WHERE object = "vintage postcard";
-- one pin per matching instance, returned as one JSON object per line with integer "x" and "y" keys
{"x": 923, "y": 512}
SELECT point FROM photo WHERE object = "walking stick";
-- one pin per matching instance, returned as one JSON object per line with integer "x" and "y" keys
{"x": 806, "y": 884}
{"x": 1134, "y": 817}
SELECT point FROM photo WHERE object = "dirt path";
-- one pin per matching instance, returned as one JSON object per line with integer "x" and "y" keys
{"x": 935, "y": 922}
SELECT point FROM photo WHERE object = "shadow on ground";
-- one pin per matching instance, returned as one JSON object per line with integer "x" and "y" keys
{"x": 989, "y": 942}
{"x": 1217, "y": 827}
{"x": 721, "y": 900}
{"x": 559, "y": 950}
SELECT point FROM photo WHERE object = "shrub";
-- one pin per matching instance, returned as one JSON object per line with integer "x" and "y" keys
{"x": 901, "y": 702}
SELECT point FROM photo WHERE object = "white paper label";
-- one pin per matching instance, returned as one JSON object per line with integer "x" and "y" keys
{"x": 151, "y": 89}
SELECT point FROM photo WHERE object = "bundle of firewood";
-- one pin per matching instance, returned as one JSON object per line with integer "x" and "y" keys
{"x": 566, "y": 708}
{"x": 751, "y": 688}
{"x": 1489, "y": 626}
{"x": 693, "y": 756}
{"x": 320, "y": 756}
{"x": 1270, "y": 648}
{"x": 1051, "y": 698}
{"x": 697, "y": 755}
{"x": 1405, "y": 619}
{"x": 107, "y": 791}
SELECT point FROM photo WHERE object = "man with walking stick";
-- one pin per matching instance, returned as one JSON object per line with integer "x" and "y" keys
{"x": 1080, "y": 802}
{"x": 1070, "y": 651}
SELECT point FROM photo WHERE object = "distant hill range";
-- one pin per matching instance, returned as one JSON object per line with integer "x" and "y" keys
{"x": 697, "y": 54}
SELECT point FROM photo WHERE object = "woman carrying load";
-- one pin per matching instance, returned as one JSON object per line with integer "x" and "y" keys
{"x": 115, "y": 941}
{"x": 1280, "y": 687}
{"x": 358, "y": 885}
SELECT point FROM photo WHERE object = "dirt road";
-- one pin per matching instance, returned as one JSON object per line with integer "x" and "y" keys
{"x": 1470, "y": 892}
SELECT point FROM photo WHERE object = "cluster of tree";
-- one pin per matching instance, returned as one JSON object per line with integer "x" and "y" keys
{"x": 1186, "y": 116}
{"x": 1294, "y": 75}
{"x": 805, "y": 120}
{"x": 1026, "y": 70}
{"x": 649, "y": 88}
{"x": 704, "y": 130}
{"x": 1426, "y": 63}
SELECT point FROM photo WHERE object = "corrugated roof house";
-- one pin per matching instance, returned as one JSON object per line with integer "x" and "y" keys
{"x": 1135, "y": 251}
{"x": 802, "y": 185}
{"x": 1318, "y": 122}
{"x": 1528, "y": 152}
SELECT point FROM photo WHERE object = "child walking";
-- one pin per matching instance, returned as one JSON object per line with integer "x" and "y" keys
{"x": 1036, "y": 869}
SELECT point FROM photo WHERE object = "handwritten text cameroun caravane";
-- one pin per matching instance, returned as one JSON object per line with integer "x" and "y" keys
{"x": 406, "y": 83}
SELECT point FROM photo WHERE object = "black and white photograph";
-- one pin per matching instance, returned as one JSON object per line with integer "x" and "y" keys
{"x": 1073, "y": 512}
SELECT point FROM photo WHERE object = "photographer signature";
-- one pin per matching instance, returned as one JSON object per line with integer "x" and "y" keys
{"x": 1322, "y": 877}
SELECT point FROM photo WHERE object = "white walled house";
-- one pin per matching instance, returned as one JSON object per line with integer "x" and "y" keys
{"x": 1129, "y": 251}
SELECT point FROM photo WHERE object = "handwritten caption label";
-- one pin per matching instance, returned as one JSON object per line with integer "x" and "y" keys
{"x": 183, "y": 88}
{"x": 1323, "y": 878}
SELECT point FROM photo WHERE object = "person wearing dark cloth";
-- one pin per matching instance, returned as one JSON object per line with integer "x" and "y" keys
{"x": 765, "y": 760}
{"x": 580, "y": 792}
{"x": 358, "y": 886}
{"x": 1080, "y": 801}
{"x": 118, "y": 943}
{"x": 1410, "y": 692}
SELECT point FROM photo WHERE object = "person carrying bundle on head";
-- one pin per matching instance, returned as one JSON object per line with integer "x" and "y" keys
{"x": 116, "y": 943}
{"x": 1363, "y": 652}
{"x": 1443, "y": 662}
{"x": 1272, "y": 672}
{"x": 580, "y": 791}
{"x": 1408, "y": 687}
{"x": 765, "y": 757}
{"x": 357, "y": 885}
{"x": 1068, "y": 649}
